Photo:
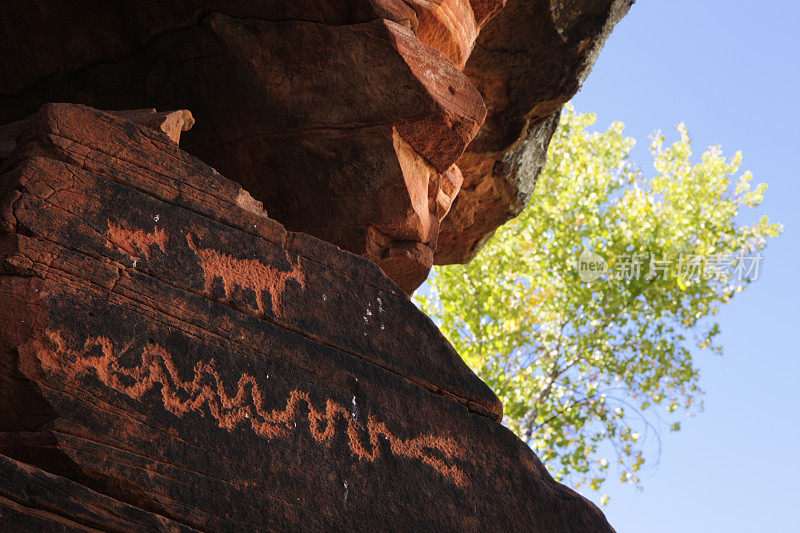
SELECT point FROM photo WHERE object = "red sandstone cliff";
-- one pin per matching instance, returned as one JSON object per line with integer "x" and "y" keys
{"x": 176, "y": 351}
{"x": 345, "y": 118}
{"x": 173, "y": 358}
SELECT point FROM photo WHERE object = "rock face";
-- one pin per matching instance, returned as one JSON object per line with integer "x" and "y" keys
{"x": 344, "y": 117}
{"x": 528, "y": 62}
{"x": 184, "y": 352}
{"x": 173, "y": 359}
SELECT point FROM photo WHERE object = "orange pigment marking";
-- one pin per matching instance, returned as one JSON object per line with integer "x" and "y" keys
{"x": 158, "y": 371}
{"x": 248, "y": 274}
{"x": 136, "y": 243}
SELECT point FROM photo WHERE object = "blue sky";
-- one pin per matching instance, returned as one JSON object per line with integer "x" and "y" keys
{"x": 729, "y": 70}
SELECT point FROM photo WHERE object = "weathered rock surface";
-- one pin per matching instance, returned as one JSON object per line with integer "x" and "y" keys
{"x": 528, "y": 62}
{"x": 345, "y": 118}
{"x": 32, "y": 499}
{"x": 342, "y": 117}
{"x": 173, "y": 359}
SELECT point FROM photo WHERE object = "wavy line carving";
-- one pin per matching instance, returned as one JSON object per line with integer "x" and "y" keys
{"x": 247, "y": 274}
{"x": 206, "y": 389}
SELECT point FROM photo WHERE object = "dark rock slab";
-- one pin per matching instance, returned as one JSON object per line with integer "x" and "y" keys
{"x": 168, "y": 354}
{"x": 34, "y": 500}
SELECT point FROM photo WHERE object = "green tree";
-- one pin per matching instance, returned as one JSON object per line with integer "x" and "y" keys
{"x": 589, "y": 370}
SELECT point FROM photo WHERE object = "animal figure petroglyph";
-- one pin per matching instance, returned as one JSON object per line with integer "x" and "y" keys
{"x": 206, "y": 393}
{"x": 136, "y": 243}
{"x": 247, "y": 274}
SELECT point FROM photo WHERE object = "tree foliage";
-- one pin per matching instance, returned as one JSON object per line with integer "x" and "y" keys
{"x": 590, "y": 370}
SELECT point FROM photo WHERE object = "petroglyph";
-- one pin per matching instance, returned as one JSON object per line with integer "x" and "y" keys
{"x": 206, "y": 393}
{"x": 247, "y": 274}
{"x": 135, "y": 243}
